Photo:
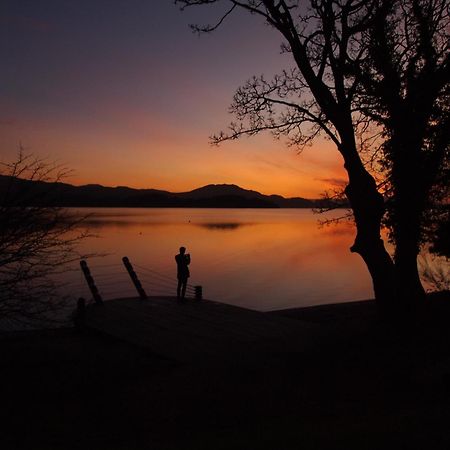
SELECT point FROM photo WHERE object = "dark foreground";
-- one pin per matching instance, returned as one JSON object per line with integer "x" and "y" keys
{"x": 368, "y": 385}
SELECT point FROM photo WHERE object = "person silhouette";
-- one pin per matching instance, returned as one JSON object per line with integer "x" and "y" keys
{"x": 183, "y": 260}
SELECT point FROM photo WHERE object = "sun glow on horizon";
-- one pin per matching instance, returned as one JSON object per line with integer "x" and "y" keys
{"x": 136, "y": 108}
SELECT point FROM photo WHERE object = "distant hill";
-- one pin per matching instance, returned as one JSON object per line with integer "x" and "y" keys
{"x": 95, "y": 195}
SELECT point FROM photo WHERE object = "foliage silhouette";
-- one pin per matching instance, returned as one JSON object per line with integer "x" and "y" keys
{"x": 36, "y": 243}
{"x": 364, "y": 73}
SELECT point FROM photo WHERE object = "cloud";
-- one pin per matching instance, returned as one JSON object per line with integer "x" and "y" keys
{"x": 281, "y": 165}
{"x": 337, "y": 182}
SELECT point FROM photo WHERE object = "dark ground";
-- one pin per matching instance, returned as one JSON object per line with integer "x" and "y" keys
{"x": 368, "y": 385}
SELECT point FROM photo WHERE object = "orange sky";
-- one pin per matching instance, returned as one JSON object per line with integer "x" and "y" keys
{"x": 162, "y": 158}
{"x": 129, "y": 96}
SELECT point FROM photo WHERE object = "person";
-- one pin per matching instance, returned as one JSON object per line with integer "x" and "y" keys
{"x": 183, "y": 260}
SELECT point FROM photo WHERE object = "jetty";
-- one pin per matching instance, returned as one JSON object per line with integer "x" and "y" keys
{"x": 194, "y": 329}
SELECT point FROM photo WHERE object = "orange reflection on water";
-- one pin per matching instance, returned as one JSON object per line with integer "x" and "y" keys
{"x": 257, "y": 258}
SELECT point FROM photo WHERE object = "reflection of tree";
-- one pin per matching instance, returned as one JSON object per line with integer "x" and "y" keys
{"x": 36, "y": 242}
{"x": 103, "y": 221}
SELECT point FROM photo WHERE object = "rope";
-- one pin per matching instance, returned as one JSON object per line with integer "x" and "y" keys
{"x": 106, "y": 266}
{"x": 156, "y": 276}
{"x": 162, "y": 275}
{"x": 156, "y": 282}
{"x": 108, "y": 275}
{"x": 166, "y": 285}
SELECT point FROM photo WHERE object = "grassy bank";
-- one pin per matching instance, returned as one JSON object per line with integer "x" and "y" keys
{"x": 367, "y": 384}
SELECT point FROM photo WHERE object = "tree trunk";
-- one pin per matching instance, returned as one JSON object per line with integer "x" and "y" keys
{"x": 409, "y": 201}
{"x": 407, "y": 239}
{"x": 411, "y": 291}
{"x": 368, "y": 209}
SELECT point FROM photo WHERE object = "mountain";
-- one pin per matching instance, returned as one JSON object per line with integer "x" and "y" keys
{"x": 216, "y": 190}
{"x": 231, "y": 190}
{"x": 94, "y": 195}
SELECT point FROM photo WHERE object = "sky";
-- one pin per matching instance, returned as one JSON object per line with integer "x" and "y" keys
{"x": 124, "y": 94}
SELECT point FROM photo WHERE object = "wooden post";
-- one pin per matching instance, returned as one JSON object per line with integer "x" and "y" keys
{"x": 134, "y": 278}
{"x": 90, "y": 281}
{"x": 80, "y": 314}
{"x": 198, "y": 292}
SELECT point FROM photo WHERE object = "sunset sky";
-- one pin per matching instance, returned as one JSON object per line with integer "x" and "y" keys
{"x": 123, "y": 93}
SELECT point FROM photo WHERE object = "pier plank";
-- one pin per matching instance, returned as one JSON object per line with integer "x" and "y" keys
{"x": 191, "y": 330}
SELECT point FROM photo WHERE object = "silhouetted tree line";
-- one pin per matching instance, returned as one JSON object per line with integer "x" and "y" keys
{"x": 373, "y": 77}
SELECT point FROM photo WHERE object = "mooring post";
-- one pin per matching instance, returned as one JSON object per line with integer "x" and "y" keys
{"x": 80, "y": 314}
{"x": 90, "y": 281}
{"x": 134, "y": 278}
{"x": 198, "y": 292}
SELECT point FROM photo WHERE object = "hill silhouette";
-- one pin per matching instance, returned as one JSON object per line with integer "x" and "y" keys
{"x": 95, "y": 195}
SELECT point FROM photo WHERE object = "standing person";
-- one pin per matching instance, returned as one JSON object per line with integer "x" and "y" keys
{"x": 183, "y": 260}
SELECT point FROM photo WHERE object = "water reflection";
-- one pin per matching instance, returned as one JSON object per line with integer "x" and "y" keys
{"x": 223, "y": 226}
{"x": 260, "y": 259}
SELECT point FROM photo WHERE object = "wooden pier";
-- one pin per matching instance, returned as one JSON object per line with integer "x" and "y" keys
{"x": 191, "y": 330}
{"x": 197, "y": 330}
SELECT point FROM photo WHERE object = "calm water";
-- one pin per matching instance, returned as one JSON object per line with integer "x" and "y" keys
{"x": 256, "y": 258}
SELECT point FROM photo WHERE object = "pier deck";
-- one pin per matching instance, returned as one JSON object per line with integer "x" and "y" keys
{"x": 197, "y": 330}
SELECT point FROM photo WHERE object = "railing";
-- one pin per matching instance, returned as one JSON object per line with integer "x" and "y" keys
{"x": 118, "y": 280}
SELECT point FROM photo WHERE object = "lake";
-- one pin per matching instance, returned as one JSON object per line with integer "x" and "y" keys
{"x": 262, "y": 259}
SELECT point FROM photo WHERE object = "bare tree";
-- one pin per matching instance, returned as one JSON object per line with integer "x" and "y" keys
{"x": 333, "y": 44}
{"x": 37, "y": 240}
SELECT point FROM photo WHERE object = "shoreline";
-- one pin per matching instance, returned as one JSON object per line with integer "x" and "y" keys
{"x": 326, "y": 314}
{"x": 363, "y": 385}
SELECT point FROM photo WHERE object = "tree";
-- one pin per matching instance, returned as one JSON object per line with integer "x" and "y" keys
{"x": 334, "y": 44}
{"x": 37, "y": 240}
{"x": 405, "y": 89}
